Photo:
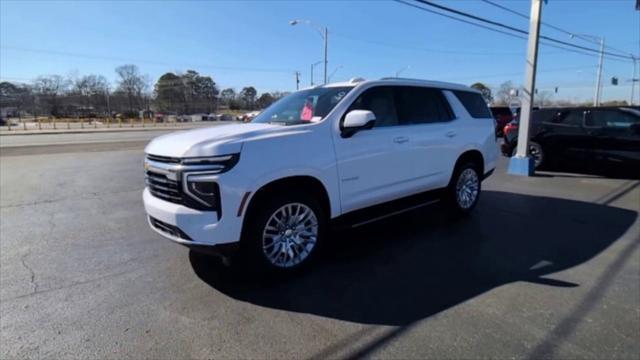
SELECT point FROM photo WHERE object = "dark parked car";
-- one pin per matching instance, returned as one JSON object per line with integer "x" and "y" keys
{"x": 602, "y": 134}
{"x": 503, "y": 116}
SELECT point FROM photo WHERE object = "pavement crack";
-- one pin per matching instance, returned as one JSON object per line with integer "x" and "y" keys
{"x": 89, "y": 196}
{"x": 32, "y": 274}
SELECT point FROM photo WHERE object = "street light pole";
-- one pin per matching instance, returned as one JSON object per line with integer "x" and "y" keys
{"x": 324, "y": 34}
{"x": 598, "y": 91}
{"x": 402, "y": 70}
{"x": 313, "y": 67}
{"x": 335, "y": 71}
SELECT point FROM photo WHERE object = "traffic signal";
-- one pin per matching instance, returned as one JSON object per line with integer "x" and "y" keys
{"x": 614, "y": 81}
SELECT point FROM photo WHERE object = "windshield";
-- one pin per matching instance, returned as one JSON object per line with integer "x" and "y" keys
{"x": 304, "y": 106}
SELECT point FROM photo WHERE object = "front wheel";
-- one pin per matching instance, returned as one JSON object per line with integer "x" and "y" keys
{"x": 535, "y": 152}
{"x": 285, "y": 232}
{"x": 464, "y": 188}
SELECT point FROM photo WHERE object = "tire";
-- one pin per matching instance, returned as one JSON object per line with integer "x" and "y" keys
{"x": 535, "y": 151}
{"x": 273, "y": 242}
{"x": 463, "y": 192}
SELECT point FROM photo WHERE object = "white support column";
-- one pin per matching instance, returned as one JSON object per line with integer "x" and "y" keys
{"x": 522, "y": 164}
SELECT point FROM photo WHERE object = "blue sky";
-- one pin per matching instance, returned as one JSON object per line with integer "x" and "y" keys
{"x": 251, "y": 43}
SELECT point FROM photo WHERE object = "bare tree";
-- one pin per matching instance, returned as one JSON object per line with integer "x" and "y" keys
{"x": 503, "y": 95}
{"x": 543, "y": 98}
{"x": 92, "y": 90}
{"x": 133, "y": 84}
{"x": 49, "y": 89}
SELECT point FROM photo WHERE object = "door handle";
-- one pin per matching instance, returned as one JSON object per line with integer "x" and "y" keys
{"x": 450, "y": 134}
{"x": 400, "y": 139}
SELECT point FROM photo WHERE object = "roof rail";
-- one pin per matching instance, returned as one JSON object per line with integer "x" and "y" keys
{"x": 356, "y": 80}
{"x": 399, "y": 78}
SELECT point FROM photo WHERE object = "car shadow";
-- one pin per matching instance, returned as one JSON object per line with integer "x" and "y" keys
{"x": 415, "y": 265}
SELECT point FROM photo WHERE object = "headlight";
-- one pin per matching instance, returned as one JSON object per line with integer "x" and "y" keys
{"x": 199, "y": 176}
{"x": 201, "y": 187}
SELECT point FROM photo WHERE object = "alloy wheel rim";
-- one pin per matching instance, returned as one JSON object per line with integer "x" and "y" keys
{"x": 467, "y": 188}
{"x": 290, "y": 235}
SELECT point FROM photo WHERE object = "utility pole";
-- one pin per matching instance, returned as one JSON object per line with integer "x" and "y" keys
{"x": 108, "y": 106}
{"x": 522, "y": 163}
{"x": 596, "y": 101}
{"x": 297, "y": 80}
{"x": 326, "y": 61}
{"x": 633, "y": 80}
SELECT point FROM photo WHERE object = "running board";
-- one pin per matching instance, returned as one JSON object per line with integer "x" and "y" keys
{"x": 394, "y": 213}
{"x": 389, "y": 209}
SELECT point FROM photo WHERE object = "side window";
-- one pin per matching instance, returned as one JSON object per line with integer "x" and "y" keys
{"x": 611, "y": 119}
{"x": 571, "y": 118}
{"x": 474, "y": 103}
{"x": 378, "y": 100}
{"x": 420, "y": 105}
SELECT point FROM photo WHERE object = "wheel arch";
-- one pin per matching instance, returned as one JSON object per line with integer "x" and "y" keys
{"x": 307, "y": 182}
{"x": 472, "y": 155}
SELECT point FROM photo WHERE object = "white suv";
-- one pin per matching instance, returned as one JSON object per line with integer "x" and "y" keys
{"x": 347, "y": 153}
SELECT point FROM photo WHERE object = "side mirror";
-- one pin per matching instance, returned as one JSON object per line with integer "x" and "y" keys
{"x": 357, "y": 120}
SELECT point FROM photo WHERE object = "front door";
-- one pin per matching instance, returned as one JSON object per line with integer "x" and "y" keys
{"x": 373, "y": 165}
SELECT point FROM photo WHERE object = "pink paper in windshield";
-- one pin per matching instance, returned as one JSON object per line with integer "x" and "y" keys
{"x": 307, "y": 111}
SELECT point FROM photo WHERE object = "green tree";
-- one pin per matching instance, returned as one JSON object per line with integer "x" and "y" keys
{"x": 265, "y": 100}
{"x": 248, "y": 97}
{"x": 169, "y": 93}
{"x": 485, "y": 90}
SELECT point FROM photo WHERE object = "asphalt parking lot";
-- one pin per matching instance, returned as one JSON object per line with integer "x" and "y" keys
{"x": 547, "y": 266}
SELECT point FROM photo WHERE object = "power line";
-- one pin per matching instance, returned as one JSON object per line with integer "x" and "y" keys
{"x": 109, "y": 58}
{"x": 520, "y": 73}
{"x": 585, "y": 38}
{"x": 503, "y": 32}
{"x": 409, "y": 47}
{"x": 511, "y": 28}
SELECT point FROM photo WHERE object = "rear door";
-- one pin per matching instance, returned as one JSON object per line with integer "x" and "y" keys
{"x": 425, "y": 115}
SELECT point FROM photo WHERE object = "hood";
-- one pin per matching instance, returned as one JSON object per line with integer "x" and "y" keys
{"x": 211, "y": 141}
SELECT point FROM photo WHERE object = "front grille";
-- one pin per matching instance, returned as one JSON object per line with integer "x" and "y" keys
{"x": 164, "y": 159}
{"x": 169, "y": 229}
{"x": 164, "y": 188}
{"x": 164, "y": 179}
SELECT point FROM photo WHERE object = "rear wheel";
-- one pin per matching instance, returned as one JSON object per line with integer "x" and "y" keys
{"x": 285, "y": 232}
{"x": 463, "y": 191}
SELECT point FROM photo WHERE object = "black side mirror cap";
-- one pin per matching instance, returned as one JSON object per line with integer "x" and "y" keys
{"x": 349, "y": 132}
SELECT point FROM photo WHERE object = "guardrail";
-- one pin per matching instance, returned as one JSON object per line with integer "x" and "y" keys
{"x": 50, "y": 123}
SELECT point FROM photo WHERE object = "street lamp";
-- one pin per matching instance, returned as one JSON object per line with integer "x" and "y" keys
{"x": 312, "y": 67}
{"x": 334, "y": 72}
{"x": 596, "y": 99}
{"x": 402, "y": 70}
{"x": 324, "y": 34}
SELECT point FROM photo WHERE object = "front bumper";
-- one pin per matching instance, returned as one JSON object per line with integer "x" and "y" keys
{"x": 198, "y": 228}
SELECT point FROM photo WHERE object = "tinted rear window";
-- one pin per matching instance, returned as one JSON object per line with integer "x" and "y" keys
{"x": 474, "y": 103}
